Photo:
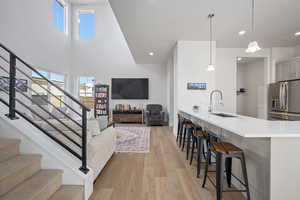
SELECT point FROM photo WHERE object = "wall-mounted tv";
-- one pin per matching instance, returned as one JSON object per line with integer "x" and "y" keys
{"x": 130, "y": 88}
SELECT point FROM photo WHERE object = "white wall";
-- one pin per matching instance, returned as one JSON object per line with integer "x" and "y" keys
{"x": 226, "y": 72}
{"x": 191, "y": 59}
{"x": 155, "y": 73}
{"x": 107, "y": 47}
{"x": 170, "y": 90}
{"x": 192, "y": 62}
{"x": 108, "y": 56}
{"x": 27, "y": 29}
{"x": 250, "y": 76}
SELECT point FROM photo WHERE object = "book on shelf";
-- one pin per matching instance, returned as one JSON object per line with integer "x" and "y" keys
{"x": 101, "y": 100}
{"x": 101, "y": 95}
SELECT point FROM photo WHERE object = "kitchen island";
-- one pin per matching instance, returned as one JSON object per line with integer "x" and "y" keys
{"x": 272, "y": 150}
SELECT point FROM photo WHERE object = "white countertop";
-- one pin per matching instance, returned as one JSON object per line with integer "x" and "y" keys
{"x": 248, "y": 126}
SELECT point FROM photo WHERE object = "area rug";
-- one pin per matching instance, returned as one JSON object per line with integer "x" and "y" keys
{"x": 133, "y": 139}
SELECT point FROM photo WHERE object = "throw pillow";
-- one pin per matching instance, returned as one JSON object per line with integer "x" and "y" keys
{"x": 93, "y": 127}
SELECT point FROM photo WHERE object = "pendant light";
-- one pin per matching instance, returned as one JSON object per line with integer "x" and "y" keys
{"x": 253, "y": 45}
{"x": 210, "y": 66}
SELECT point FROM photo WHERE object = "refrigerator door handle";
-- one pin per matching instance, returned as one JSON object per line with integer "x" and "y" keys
{"x": 280, "y": 96}
{"x": 286, "y": 96}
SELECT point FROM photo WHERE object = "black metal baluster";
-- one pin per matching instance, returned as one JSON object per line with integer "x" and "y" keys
{"x": 12, "y": 85}
{"x": 84, "y": 168}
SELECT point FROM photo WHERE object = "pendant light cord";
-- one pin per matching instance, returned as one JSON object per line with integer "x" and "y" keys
{"x": 252, "y": 19}
{"x": 210, "y": 16}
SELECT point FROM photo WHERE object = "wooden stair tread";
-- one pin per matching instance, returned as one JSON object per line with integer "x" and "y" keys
{"x": 224, "y": 147}
{"x": 72, "y": 192}
{"x": 7, "y": 142}
{"x": 40, "y": 186}
{"x": 17, "y": 169}
{"x": 8, "y": 148}
{"x": 19, "y": 162}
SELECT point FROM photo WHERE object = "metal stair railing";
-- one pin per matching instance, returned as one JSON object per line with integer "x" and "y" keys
{"x": 13, "y": 99}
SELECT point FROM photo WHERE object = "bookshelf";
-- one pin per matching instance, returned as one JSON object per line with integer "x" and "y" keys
{"x": 101, "y": 100}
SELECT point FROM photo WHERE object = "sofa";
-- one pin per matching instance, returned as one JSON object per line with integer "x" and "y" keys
{"x": 154, "y": 114}
{"x": 101, "y": 141}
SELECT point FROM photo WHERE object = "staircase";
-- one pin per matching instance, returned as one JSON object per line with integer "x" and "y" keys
{"x": 21, "y": 177}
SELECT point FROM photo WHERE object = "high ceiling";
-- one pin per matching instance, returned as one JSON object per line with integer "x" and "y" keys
{"x": 156, "y": 25}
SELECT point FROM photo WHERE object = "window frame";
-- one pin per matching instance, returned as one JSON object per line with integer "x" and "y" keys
{"x": 85, "y": 11}
{"x": 65, "y": 6}
{"x": 48, "y": 86}
{"x": 93, "y": 91}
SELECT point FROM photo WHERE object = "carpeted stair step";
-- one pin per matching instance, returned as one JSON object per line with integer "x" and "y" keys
{"x": 8, "y": 148}
{"x": 41, "y": 186}
{"x": 17, "y": 169}
{"x": 72, "y": 192}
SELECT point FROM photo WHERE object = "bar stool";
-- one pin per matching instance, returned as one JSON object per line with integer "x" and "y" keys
{"x": 199, "y": 136}
{"x": 179, "y": 127}
{"x": 187, "y": 135}
{"x": 182, "y": 133}
{"x": 224, "y": 153}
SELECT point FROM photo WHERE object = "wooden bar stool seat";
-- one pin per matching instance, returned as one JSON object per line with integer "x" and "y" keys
{"x": 200, "y": 133}
{"x": 223, "y": 147}
{"x": 188, "y": 125}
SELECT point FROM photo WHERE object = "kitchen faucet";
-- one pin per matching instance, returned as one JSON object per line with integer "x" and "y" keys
{"x": 210, "y": 108}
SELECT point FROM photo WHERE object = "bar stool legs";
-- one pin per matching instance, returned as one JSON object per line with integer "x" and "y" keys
{"x": 206, "y": 167}
{"x": 188, "y": 143}
{"x": 183, "y": 138}
{"x": 182, "y": 132}
{"x": 178, "y": 128}
{"x": 228, "y": 166}
{"x": 199, "y": 156}
{"x": 219, "y": 175}
{"x": 193, "y": 148}
{"x": 224, "y": 154}
{"x": 244, "y": 168}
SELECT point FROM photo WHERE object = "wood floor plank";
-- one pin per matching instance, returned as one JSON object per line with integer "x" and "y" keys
{"x": 161, "y": 174}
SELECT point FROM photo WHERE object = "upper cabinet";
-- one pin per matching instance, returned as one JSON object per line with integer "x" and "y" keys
{"x": 288, "y": 70}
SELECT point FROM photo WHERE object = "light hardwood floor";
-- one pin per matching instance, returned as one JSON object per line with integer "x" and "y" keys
{"x": 162, "y": 174}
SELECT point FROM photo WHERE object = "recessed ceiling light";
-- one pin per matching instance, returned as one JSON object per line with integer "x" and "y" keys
{"x": 297, "y": 34}
{"x": 239, "y": 58}
{"x": 242, "y": 32}
{"x": 151, "y": 54}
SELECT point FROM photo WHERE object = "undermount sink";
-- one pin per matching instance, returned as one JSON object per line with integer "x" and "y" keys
{"x": 223, "y": 115}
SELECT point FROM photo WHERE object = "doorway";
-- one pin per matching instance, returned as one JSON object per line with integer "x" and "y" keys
{"x": 251, "y": 89}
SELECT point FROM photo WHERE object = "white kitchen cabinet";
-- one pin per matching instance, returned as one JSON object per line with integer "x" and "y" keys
{"x": 279, "y": 72}
{"x": 283, "y": 71}
{"x": 288, "y": 70}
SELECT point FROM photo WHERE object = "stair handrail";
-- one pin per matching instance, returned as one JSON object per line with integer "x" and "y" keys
{"x": 12, "y": 107}
{"x": 41, "y": 75}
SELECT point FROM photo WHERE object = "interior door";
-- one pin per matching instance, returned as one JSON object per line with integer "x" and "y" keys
{"x": 294, "y": 96}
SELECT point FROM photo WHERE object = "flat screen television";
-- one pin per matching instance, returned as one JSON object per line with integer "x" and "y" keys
{"x": 130, "y": 88}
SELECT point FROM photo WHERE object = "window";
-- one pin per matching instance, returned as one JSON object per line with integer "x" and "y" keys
{"x": 86, "y": 24}
{"x": 87, "y": 86}
{"x": 57, "y": 79}
{"x": 59, "y": 15}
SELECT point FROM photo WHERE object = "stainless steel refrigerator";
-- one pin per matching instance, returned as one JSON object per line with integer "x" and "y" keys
{"x": 284, "y": 100}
